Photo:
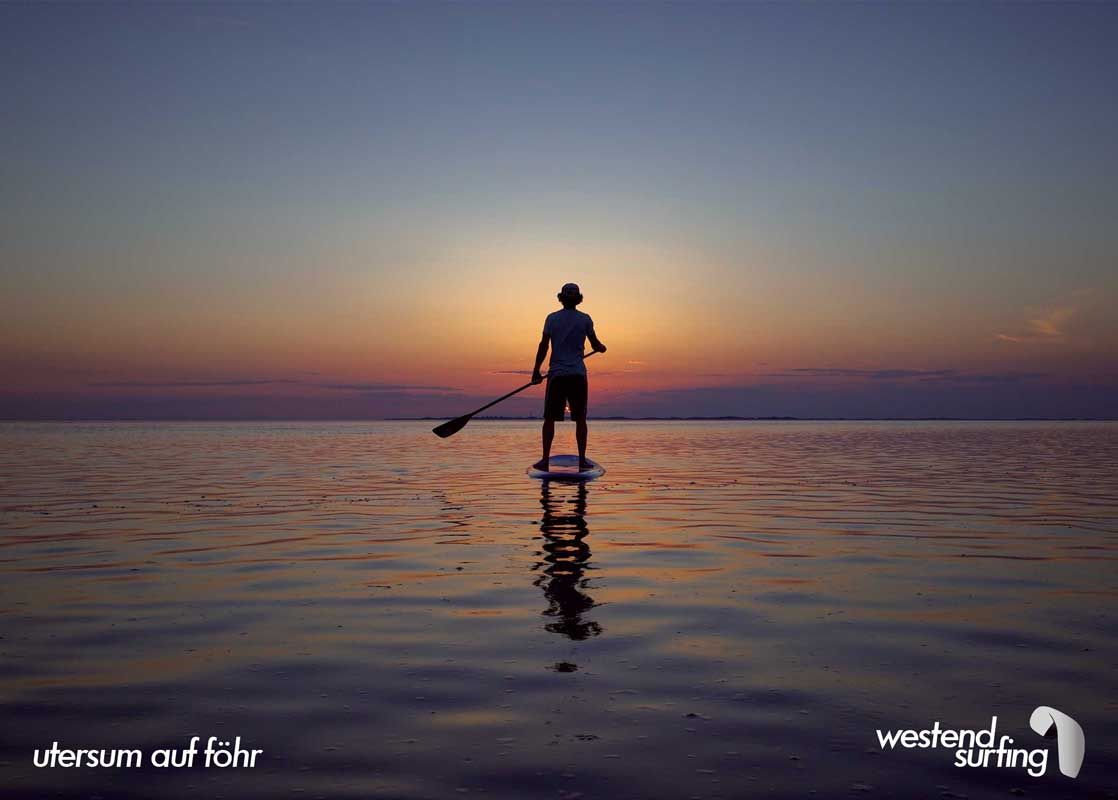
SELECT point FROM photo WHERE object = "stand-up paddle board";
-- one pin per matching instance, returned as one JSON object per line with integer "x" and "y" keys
{"x": 565, "y": 468}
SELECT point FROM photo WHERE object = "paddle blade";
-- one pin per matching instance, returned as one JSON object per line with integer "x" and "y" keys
{"x": 452, "y": 427}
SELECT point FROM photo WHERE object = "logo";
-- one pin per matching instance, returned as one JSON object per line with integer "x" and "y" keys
{"x": 984, "y": 748}
{"x": 1070, "y": 744}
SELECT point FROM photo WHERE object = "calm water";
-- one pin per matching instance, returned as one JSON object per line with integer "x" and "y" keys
{"x": 731, "y": 611}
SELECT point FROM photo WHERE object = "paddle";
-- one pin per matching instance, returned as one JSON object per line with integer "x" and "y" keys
{"x": 458, "y": 423}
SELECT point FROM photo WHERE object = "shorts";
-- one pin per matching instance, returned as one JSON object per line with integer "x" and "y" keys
{"x": 565, "y": 390}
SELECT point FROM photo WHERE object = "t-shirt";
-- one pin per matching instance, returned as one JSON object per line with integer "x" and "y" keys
{"x": 568, "y": 329}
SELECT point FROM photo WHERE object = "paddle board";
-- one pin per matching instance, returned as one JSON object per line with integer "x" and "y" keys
{"x": 565, "y": 468}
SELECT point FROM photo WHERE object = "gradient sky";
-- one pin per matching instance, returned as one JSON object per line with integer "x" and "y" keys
{"x": 362, "y": 210}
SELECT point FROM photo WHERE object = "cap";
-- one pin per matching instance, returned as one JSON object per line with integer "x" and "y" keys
{"x": 570, "y": 290}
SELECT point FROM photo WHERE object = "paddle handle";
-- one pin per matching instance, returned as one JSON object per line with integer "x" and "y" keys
{"x": 517, "y": 391}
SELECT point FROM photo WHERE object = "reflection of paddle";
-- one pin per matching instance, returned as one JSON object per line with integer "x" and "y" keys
{"x": 458, "y": 423}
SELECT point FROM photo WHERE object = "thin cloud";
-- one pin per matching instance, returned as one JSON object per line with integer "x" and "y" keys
{"x": 190, "y": 384}
{"x": 871, "y": 374}
{"x": 987, "y": 378}
{"x": 384, "y": 387}
{"x": 1048, "y": 328}
{"x": 929, "y": 376}
{"x": 978, "y": 396}
{"x": 240, "y": 382}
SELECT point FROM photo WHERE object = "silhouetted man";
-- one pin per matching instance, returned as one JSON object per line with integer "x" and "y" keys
{"x": 566, "y": 331}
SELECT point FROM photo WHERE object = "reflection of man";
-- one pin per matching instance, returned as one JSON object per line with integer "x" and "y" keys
{"x": 566, "y": 557}
{"x": 566, "y": 331}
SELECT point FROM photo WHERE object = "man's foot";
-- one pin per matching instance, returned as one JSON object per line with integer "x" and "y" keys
{"x": 542, "y": 465}
{"x": 584, "y": 465}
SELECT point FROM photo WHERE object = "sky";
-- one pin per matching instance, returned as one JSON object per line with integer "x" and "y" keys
{"x": 361, "y": 210}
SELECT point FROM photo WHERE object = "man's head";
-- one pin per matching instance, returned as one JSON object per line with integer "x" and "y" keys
{"x": 569, "y": 295}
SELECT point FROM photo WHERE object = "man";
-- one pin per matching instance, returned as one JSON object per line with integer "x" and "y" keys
{"x": 566, "y": 331}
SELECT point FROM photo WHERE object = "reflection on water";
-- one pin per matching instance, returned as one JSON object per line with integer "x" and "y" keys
{"x": 566, "y": 557}
{"x": 355, "y": 600}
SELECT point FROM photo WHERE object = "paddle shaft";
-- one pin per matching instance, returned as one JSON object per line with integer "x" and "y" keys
{"x": 514, "y": 391}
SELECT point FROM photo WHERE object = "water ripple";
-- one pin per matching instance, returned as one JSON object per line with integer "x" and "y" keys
{"x": 731, "y": 610}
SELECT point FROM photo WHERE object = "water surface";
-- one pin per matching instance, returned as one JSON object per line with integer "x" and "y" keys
{"x": 731, "y": 611}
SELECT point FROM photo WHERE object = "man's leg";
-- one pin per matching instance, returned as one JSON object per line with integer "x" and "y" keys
{"x": 577, "y": 400}
{"x": 580, "y": 435}
{"x": 548, "y": 436}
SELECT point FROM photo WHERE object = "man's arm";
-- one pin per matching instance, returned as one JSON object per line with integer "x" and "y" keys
{"x": 595, "y": 342}
{"x": 541, "y": 351}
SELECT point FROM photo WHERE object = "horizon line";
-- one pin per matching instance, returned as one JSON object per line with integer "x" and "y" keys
{"x": 720, "y": 418}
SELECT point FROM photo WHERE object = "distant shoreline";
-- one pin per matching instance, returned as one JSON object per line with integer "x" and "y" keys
{"x": 11, "y": 420}
{"x": 776, "y": 419}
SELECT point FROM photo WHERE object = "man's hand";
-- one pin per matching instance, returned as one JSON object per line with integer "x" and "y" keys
{"x": 536, "y": 377}
{"x": 599, "y": 348}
